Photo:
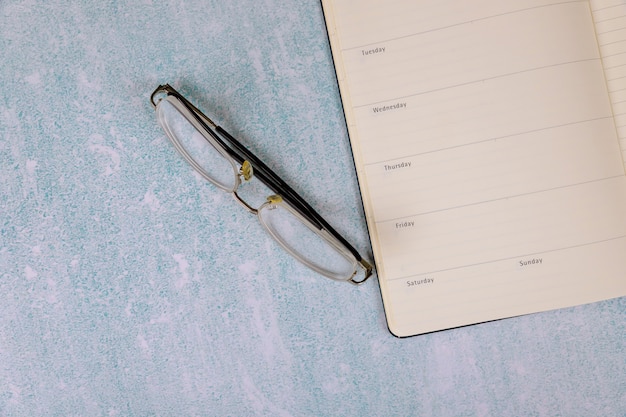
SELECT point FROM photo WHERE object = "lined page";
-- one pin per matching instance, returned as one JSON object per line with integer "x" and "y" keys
{"x": 610, "y": 20}
{"x": 487, "y": 154}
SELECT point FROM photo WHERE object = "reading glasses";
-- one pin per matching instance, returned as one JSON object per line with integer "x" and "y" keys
{"x": 223, "y": 161}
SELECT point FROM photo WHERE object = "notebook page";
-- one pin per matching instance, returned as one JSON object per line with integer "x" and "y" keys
{"x": 487, "y": 156}
{"x": 610, "y": 19}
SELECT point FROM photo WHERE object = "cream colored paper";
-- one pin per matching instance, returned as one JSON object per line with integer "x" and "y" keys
{"x": 487, "y": 153}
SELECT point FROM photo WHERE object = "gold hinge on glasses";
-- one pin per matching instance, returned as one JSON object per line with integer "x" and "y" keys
{"x": 274, "y": 199}
{"x": 246, "y": 170}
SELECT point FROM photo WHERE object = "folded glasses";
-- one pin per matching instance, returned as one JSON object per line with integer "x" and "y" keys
{"x": 220, "y": 159}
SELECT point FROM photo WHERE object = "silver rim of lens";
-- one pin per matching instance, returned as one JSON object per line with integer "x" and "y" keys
{"x": 186, "y": 114}
{"x": 324, "y": 236}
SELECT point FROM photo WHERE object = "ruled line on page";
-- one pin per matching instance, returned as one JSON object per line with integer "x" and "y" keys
{"x": 504, "y": 197}
{"x": 386, "y": 161}
{"x": 610, "y": 21}
{"x": 462, "y": 23}
{"x": 500, "y": 76}
{"x": 524, "y": 255}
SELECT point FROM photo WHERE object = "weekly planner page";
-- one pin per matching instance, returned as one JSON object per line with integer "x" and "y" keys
{"x": 487, "y": 153}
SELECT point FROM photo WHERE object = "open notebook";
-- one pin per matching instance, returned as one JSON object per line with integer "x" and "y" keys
{"x": 489, "y": 139}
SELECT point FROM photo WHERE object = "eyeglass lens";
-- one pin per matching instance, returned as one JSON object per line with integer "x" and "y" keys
{"x": 302, "y": 241}
{"x": 195, "y": 148}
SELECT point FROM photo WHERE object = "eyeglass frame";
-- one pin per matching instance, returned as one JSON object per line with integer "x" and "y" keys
{"x": 233, "y": 151}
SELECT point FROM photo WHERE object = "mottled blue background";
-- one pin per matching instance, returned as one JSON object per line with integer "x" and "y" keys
{"x": 129, "y": 287}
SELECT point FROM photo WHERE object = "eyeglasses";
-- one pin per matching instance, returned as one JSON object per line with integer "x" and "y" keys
{"x": 220, "y": 159}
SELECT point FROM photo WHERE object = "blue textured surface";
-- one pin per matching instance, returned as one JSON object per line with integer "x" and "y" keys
{"x": 129, "y": 287}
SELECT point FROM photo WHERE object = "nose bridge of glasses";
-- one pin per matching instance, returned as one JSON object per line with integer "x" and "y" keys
{"x": 244, "y": 204}
{"x": 256, "y": 192}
